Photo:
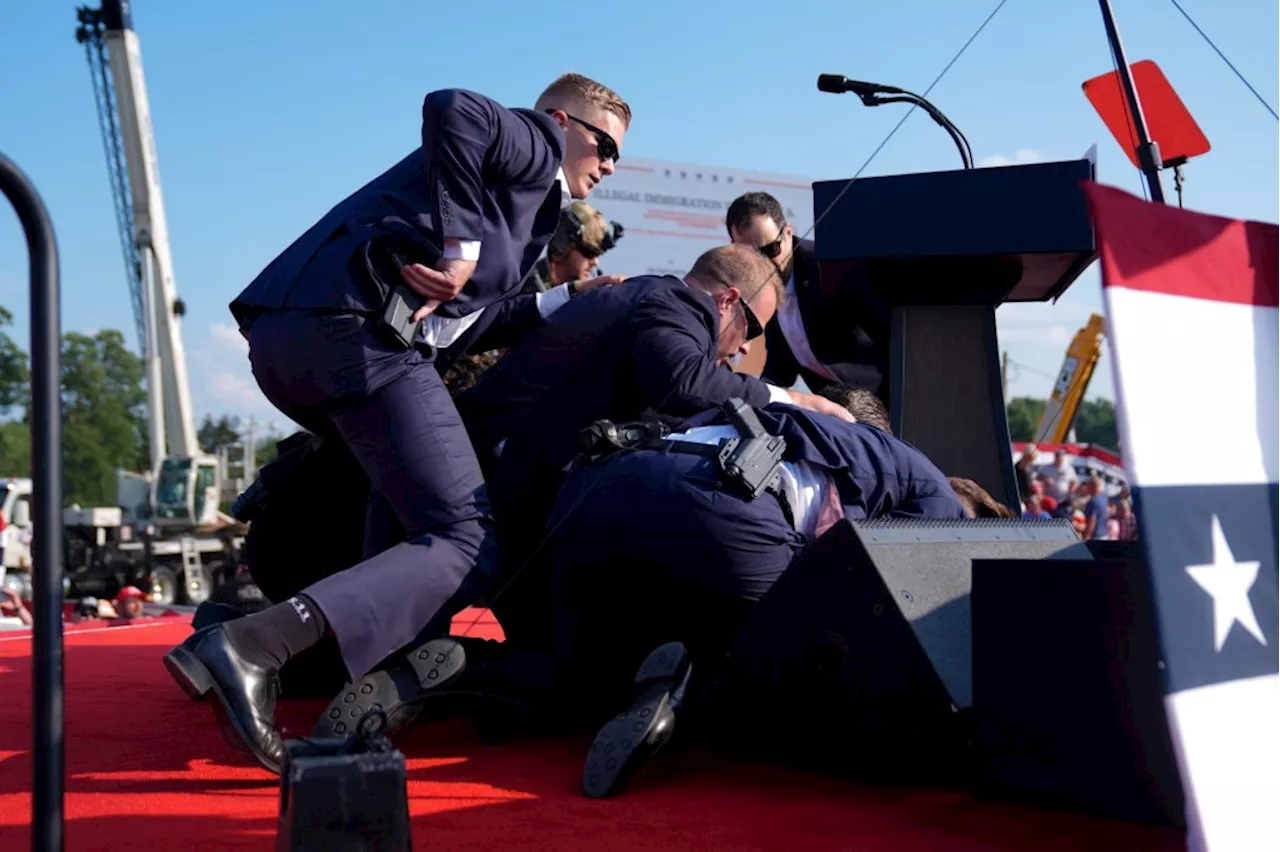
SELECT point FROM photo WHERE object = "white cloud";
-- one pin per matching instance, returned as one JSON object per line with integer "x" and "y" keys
{"x": 1022, "y": 155}
{"x": 222, "y": 382}
{"x": 1045, "y": 334}
{"x": 230, "y": 388}
{"x": 1036, "y": 336}
{"x": 228, "y": 336}
{"x": 235, "y": 392}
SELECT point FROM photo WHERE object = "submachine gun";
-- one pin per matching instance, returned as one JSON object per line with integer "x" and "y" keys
{"x": 750, "y": 463}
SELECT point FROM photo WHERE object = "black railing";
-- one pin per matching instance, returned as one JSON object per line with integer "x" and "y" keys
{"x": 47, "y": 756}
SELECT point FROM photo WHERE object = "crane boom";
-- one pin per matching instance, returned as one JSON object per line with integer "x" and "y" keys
{"x": 115, "y": 60}
{"x": 1073, "y": 380}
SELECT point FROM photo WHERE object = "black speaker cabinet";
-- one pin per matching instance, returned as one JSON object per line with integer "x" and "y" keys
{"x": 858, "y": 660}
{"x": 1068, "y": 703}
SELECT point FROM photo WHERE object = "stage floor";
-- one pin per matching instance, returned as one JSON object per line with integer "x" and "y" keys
{"x": 147, "y": 769}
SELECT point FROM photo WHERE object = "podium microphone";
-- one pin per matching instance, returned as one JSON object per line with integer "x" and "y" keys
{"x": 873, "y": 94}
{"x": 838, "y": 84}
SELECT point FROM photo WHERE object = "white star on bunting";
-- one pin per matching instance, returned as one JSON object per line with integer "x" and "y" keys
{"x": 1228, "y": 582}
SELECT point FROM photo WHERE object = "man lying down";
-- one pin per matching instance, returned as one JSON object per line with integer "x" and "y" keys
{"x": 649, "y": 545}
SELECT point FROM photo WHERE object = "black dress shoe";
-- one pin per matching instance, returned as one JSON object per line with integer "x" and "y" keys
{"x": 632, "y": 737}
{"x": 208, "y": 614}
{"x": 246, "y": 693}
{"x": 456, "y": 675}
{"x": 397, "y": 690}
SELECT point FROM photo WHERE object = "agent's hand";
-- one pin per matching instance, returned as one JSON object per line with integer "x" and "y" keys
{"x": 822, "y": 405}
{"x": 438, "y": 285}
{"x": 600, "y": 281}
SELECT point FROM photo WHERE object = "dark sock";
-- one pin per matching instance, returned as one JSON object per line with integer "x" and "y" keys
{"x": 271, "y": 637}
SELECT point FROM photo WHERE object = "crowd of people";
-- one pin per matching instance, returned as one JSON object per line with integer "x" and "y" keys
{"x": 571, "y": 449}
{"x": 129, "y": 603}
{"x": 1056, "y": 490}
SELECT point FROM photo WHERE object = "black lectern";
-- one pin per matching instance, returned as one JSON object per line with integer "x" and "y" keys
{"x": 920, "y": 262}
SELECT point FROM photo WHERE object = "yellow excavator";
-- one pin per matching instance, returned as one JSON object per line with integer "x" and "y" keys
{"x": 1072, "y": 382}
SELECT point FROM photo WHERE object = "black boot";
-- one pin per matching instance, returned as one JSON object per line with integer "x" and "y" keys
{"x": 246, "y": 693}
{"x": 631, "y": 738}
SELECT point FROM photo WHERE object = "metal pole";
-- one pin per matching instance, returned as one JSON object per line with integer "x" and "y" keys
{"x": 46, "y": 465}
{"x": 1148, "y": 151}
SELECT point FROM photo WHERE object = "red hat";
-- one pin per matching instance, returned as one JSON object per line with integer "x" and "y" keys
{"x": 130, "y": 593}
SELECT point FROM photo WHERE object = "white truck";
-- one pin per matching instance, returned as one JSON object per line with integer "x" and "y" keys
{"x": 15, "y": 526}
{"x": 106, "y": 548}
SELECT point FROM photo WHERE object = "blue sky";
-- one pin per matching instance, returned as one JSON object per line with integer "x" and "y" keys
{"x": 265, "y": 114}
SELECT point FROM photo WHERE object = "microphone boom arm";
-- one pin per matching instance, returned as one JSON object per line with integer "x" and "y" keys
{"x": 962, "y": 143}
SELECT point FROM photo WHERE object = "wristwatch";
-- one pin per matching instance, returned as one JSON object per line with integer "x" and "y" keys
{"x": 573, "y": 288}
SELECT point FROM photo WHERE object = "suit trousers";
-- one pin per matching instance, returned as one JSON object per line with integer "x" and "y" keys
{"x": 335, "y": 375}
{"x": 648, "y": 548}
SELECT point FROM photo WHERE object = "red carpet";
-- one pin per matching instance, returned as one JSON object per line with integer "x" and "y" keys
{"x": 147, "y": 769}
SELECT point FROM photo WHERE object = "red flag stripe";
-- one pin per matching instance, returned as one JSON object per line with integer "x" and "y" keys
{"x": 1163, "y": 249}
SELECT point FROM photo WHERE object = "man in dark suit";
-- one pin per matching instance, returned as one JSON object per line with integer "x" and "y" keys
{"x": 657, "y": 347}
{"x": 704, "y": 554}
{"x": 581, "y": 237}
{"x": 822, "y": 337}
{"x": 460, "y": 221}
{"x": 660, "y": 344}
{"x": 656, "y": 344}
{"x": 650, "y": 546}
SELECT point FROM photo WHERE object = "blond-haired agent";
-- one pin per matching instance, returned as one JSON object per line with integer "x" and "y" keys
{"x": 459, "y": 222}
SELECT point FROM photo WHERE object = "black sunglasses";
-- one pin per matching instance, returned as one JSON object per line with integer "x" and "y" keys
{"x": 754, "y": 328}
{"x": 773, "y": 249}
{"x": 606, "y": 145}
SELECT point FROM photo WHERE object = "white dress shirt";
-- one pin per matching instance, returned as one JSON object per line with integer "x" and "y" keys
{"x": 792, "y": 326}
{"x": 441, "y": 332}
{"x": 806, "y": 486}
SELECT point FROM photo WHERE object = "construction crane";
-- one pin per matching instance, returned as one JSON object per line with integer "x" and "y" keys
{"x": 1073, "y": 380}
{"x": 185, "y": 482}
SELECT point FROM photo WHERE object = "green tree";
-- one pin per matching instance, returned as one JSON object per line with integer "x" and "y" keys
{"x": 15, "y": 449}
{"x": 104, "y": 415}
{"x": 1096, "y": 423}
{"x": 15, "y": 372}
{"x": 213, "y": 434}
{"x": 265, "y": 452}
{"x": 1023, "y": 413}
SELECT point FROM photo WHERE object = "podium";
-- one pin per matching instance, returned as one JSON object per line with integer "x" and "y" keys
{"x": 918, "y": 264}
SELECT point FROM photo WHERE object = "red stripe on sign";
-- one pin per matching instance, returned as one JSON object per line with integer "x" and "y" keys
{"x": 657, "y": 233}
{"x": 1161, "y": 249}
{"x": 783, "y": 184}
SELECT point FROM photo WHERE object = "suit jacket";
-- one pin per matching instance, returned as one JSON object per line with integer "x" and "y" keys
{"x": 503, "y": 323}
{"x": 483, "y": 172}
{"x": 847, "y": 329}
{"x": 500, "y": 326}
{"x": 645, "y": 347}
{"x": 876, "y": 474}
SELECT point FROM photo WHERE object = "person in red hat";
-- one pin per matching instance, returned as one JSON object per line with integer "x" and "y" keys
{"x": 130, "y": 602}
